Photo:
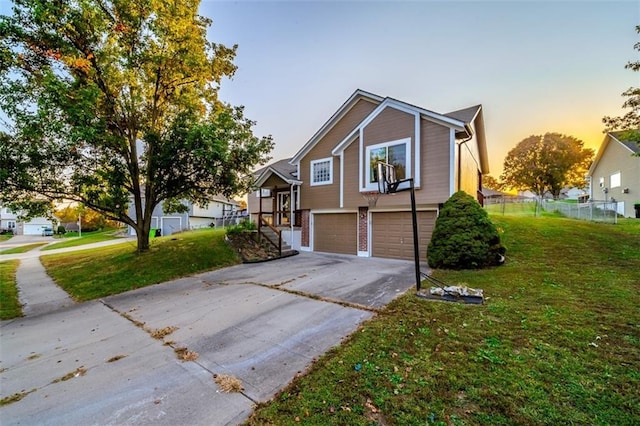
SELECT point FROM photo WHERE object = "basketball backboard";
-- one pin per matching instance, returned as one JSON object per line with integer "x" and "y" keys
{"x": 386, "y": 174}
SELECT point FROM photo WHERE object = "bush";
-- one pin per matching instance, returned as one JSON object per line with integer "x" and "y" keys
{"x": 61, "y": 230}
{"x": 464, "y": 237}
{"x": 244, "y": 226}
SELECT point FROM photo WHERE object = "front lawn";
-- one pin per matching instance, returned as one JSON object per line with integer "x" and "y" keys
{"x": 71, "y": 239}
{"x": 556, "y": 342}
{"x": 90, "y": 274}
{"x": 22, "y": 249}
{"x": 9, "y": 304}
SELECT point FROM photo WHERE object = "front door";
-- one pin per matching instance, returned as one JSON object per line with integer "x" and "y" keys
{"x": 283, "y": 208}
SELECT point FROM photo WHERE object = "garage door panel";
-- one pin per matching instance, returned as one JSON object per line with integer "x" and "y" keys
{"x": 335, "y": 233}
{"x": 393, "y": 234}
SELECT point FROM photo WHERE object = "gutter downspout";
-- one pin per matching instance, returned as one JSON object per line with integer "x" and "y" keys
{"x": 291, "y": 217}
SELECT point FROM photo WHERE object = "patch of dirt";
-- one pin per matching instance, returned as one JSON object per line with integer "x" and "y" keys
{"x": 245, "y": 244}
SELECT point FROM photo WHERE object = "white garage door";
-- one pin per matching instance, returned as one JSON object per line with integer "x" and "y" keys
{"x": 30, "y": 229}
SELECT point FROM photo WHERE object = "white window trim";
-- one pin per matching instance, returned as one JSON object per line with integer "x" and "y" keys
{"x": 619, "y": 183}
{"x": 321, "y": 160}
{"x": 373, "y": 186}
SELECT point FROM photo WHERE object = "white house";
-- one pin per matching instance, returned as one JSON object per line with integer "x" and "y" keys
{"x": 220, "y": 211}
{"x": 9, "y": 222}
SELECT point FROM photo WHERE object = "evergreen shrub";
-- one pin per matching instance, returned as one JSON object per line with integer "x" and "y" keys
{"x": 464, "y": 237}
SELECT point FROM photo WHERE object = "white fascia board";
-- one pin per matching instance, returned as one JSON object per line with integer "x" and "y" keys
{"x": 341, "y": 177}
{"x": 452, "y": 162}
{"x": 417, "y": 151}
{"x": 346, "y": 106}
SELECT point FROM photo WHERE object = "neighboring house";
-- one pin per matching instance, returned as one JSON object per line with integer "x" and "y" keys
{"x": 491, "y": 196}
{"x": 220, "y": 211}
{"x": 320, "y": 194}
{"x": 615, "y": 173}
{"x": 567, "y": 193}
{"x": 9, "y": 222}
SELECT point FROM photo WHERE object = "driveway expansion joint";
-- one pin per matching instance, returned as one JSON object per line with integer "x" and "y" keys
{"x": 314, "y": 296}
{"x": 176, "y": 348}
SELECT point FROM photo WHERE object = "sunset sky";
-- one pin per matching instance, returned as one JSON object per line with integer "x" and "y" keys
{"x": 535, "y": 66}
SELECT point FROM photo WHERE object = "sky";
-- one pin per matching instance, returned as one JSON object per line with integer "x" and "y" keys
{"x": 536, "y": 67}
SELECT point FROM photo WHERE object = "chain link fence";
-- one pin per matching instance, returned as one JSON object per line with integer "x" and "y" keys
{"x": 596, "y": 211}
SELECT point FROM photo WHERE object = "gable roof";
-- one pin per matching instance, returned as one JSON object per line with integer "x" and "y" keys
{"x": 460, "y": 120}
{"x": 282, "y": 168}
{"x": 615, "y": 137}
{"x": 466, "y": 115}
{"x": 341, "y": 112}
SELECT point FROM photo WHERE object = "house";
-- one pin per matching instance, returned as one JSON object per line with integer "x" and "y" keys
{"x": 325, "y": 198}
{"x": 220, "y": 211}
{"x": 9, "y": 222}
{"x": 615, "y": 173}
{"x": 574, "y": 193}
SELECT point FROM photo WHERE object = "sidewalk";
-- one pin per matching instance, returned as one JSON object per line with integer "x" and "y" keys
{"x": 37, "y": 292}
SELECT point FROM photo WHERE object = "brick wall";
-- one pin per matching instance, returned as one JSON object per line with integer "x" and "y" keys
{"x": 305, "y": 215}
{"x": 362, "y": 228}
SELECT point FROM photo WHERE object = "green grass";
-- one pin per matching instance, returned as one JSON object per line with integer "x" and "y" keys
{"x": 5, "y": 237}
{"x": 556, "y": 342}
{"x": 90, "y": 274}
{"x": 71, "y": 239}
{"x": 9, "y": 304}
{"x": 22, "y": 249}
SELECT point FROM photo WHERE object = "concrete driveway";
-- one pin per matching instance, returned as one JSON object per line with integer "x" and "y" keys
{"x": 97, "y": 363}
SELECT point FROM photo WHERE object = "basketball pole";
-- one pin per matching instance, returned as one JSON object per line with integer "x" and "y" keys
{"x": 388, "y": 184}
{"x": 414, "y": 219}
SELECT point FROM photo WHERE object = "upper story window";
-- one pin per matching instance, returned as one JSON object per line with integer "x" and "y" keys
{"x": 615, "y": 180}
{"x": 322, "y": 171}
{"x": 396, "y": 153}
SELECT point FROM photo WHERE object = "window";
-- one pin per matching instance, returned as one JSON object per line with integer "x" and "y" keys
{"x": 266, "y": 192}
{"x": 395, "y": 153}
{"x": 601, "y": 182}
{"x": 615, "y": 180}
{"x": 11, "y": 224}
{"x": 322, "y": 172}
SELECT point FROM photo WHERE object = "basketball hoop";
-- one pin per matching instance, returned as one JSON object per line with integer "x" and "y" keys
{"x": 371, "y": 197}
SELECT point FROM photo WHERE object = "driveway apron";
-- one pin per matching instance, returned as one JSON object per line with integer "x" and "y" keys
{"x": 98, "y": 362}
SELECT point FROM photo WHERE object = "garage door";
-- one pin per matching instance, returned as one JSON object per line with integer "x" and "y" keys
{"x": 335, "y": 233}
{"x": 393, "y": 234}
{"x": 30, "y": 229}
{"x": 171, "y": 225}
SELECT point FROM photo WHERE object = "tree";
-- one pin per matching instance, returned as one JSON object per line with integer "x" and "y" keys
{"x": 547, "y": 163}
{"x": 115, "y": 103}
{"x": 464, "y": 237}
{"x": 490, "y": 182}
{"x": 629, "y": 123}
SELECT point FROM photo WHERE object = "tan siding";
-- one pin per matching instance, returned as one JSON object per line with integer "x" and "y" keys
{"x": 469, "y": 170}
{"x": 390, "y": 125}
{"x": 328, "y": 196}
{"x": 393, "y": 234}
{"x": 253, "y": 204}
{"x": 275, "y": 182}
{"x": 435, "y": 163}
{"x": 335, "y": 233}
{"x": 618, "y": 158}
{"x": 352, "y": 197}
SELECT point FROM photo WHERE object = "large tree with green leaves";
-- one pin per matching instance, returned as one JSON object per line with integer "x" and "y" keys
{"x": 629, "y": 123}
{"x": 114, "y": 103}
{"x": 547, "y": 163}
